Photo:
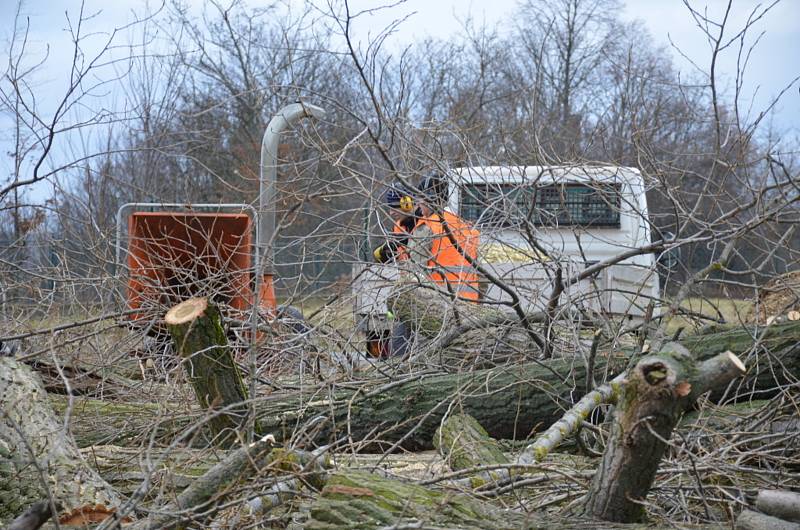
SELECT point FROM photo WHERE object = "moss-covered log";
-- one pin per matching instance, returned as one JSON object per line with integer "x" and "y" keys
{"x": 656, "y": 392}
{"x": 38, "y": 459}
{"x": 509, "y": 402}
{"x": 360, "y": 500}
{"x": 199, "y": 501}
{"x": 196, "y": 329}
{"x": 132, "y": 424}
{"x": 364, "y": 500}
{"x": 464, "y": 444}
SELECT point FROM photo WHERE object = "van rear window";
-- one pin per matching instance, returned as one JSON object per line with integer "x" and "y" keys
{"x": 509, "y": 205}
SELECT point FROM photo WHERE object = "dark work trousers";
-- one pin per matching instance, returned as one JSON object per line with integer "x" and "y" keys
{"x": 400, "y": 339}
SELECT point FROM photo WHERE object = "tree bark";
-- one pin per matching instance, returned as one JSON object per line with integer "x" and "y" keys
{"x": 354, "y": 499}
{"x": 509, "y": 401}
{"x": 464, "y": 444}
{"x": 196, "y": 329}
{"x": 463, "y": 334}
{"x": 361, "y": 500}
{"x": 779, "y": 503}
{"x": 657, "y": 391}
{"x": 203, "y": 496}
{"x": 38, "y": 460}
{"x": 750, "y": 520}
{"x": 34, "y": 517}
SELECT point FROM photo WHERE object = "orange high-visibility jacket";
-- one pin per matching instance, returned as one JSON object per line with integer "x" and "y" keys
{"x": 447, "y": 266}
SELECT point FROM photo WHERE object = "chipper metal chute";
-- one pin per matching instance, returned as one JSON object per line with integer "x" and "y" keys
{"x": 176, "y": 251}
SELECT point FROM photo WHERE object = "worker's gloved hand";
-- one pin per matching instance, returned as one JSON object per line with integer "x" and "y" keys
{"x": 386, "y": 252}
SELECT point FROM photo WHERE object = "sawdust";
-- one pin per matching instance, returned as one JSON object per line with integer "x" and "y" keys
{"x": 777, "y": 298}
{"x": 499, "y": 252}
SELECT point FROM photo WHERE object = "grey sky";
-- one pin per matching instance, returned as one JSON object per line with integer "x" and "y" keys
{"x": 773, "y": 64}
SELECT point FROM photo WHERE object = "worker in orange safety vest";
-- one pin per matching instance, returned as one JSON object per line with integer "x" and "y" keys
{"x": 429, "y": 235}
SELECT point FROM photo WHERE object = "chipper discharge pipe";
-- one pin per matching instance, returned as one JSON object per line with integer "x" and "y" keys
{"x": 284, "y": 119}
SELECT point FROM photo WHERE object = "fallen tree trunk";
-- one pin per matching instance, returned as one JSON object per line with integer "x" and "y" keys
{"x": 38, "y": 460}
{"x": 360, "y": 500}
{"x": 509, "y": 402}
{"x": 83, "y": 379}
{"x": 780, "y": 503}
{"x": 656, "y": 392}
{"x": 750, "y": 520}
{"x": 196, "y": 329}
{"x": 199, "y": 501}
{"x": 365, "y": 500}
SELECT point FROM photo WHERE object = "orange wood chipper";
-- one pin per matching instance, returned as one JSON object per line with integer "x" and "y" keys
{"x": 176, "y": 251}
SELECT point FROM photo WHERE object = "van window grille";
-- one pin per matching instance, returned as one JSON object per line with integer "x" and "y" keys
{"x": 508, "y": 205}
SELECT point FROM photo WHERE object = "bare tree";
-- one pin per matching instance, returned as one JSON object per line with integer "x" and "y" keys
{"x": 569, "y": 90}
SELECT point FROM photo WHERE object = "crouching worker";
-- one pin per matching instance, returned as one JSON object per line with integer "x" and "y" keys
{"x": 429, "y": 239}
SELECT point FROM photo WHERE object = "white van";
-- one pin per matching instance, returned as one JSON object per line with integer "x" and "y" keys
{"x": 575, "y": 215}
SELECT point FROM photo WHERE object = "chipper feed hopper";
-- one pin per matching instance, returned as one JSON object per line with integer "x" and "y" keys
{"x": 176, "y": 251}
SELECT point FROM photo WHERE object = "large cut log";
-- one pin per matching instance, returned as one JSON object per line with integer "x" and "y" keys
{"x": 366, "y": 501}
{"x": 38, "y": 460}
{"x": 357, "y": 499}
{"x": 536, "y": 393}
{"x": 509, "y": 402}
{"x": 196, "y": 329}
{"x": 513, "y": 401}
{"x": 750, "y": 520}
{"x": 780, "y": 503}
{"x": 464, "y": 444}
{"x": 131, "y": 424}
{"x": 655, "y": 394}
{"x": 463, "y": 334}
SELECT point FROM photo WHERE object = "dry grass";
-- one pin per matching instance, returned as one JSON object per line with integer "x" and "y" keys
{"x": 715, "y": 309}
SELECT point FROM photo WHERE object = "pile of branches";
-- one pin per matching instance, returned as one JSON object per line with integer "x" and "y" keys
{"x": 698, "y": 428}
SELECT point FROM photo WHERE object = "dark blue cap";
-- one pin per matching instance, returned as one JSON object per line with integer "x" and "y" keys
{"x": 395, "y": 193}
{"x": 392, "y": 197}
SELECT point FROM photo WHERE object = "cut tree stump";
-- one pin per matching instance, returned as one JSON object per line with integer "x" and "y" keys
{"x": 657, "y": 391}
{"x": 38, "y": 459}
{"x": 200, "y": 341}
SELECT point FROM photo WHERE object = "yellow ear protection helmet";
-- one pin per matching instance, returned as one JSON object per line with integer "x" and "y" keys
{"x": 399, "y": 198}
{"x": 407, "y": 203}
